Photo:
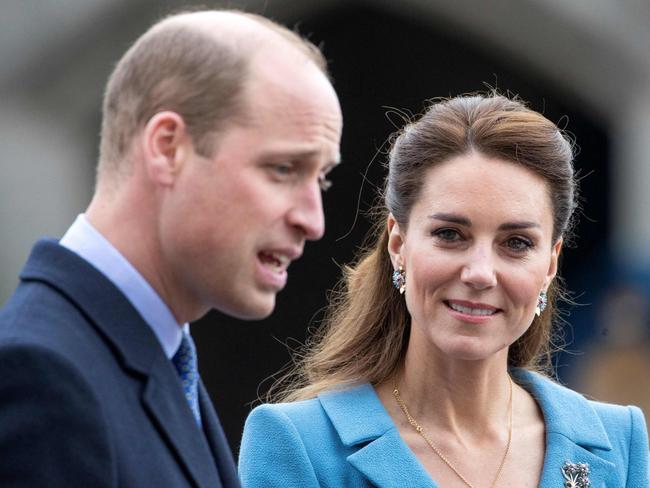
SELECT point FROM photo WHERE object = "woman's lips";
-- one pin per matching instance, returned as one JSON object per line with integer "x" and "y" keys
{"x": 471, "y": 311}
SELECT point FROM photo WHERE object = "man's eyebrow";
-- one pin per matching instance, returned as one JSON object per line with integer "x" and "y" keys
{"x": 301, "y": 156}
{"x": 451, "y": 218}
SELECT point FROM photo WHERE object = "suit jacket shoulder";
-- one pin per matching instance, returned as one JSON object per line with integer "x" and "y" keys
{"x": 44, "y": 401}
{"x": 89, "y": 392}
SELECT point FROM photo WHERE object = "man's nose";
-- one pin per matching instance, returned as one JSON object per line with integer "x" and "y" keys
{"x": 479, "y": 271}
{"x": 307, "y": 213}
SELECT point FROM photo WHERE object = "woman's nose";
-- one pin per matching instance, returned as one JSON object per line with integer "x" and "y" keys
{"x": 479, "y": 272}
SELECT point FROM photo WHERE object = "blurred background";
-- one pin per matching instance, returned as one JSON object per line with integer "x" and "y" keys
{"x": 585, "y": 64}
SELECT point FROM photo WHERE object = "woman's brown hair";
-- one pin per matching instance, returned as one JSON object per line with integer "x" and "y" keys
{"x": 366, "y": 326}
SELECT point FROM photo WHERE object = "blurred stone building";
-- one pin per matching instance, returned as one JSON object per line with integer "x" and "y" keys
{"x": 584, "y": 63}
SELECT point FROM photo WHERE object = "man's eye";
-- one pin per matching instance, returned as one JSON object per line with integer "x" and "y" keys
{"x": 283, "y": 169}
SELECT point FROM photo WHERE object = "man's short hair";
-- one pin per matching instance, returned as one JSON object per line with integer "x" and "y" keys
{"x": 178, "y": 67}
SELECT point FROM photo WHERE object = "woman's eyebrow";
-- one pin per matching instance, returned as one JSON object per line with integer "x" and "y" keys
{"x": 452, "y": 218}
{"x": 518, "y": 225}
{"x": 457, "y": 219}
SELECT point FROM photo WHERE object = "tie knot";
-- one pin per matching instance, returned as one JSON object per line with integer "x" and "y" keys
{"x": 186, "y": 364}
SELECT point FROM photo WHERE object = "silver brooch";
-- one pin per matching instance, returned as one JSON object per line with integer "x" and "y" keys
{"x": 576, "y": 475}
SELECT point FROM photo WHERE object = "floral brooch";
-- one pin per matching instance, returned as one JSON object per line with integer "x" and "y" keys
{"x": 576, "y": 475}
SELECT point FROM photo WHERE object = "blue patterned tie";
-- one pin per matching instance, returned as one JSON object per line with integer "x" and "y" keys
{"x": 185, "y": 362}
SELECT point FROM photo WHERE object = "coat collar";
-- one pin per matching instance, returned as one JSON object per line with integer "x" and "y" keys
{"x": 574, "y": 433}
{"x": 361, "y": 420}
{"x": 135, "y": 346}
{"x": 107, "y": 308}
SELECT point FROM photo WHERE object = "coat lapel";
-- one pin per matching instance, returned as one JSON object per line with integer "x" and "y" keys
{"x": 574, "y": 433}
{"x": 388, "y": 462}
{"x": 560, "y": 449}
{"x": 175, "y": 420}
{"x": 217, "y": 441}
{"x": 135, "y": 346}
{"x": 380, "y": 454}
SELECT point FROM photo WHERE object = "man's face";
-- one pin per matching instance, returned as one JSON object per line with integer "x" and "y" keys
{"x": 233, "y": 222}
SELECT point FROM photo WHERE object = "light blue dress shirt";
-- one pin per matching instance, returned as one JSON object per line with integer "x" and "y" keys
{"x": 83, "y": 239}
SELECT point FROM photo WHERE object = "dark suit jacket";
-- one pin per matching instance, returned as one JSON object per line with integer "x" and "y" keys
{"x": 87, "y": 396}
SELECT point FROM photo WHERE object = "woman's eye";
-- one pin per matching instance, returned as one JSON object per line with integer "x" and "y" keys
{"x": 518, "y": 244}
{"x": 447, "y": 235}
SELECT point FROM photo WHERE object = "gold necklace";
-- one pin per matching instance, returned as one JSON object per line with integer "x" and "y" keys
{"x": 418, "y": 428}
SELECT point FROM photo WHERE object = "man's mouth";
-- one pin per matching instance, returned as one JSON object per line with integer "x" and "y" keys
{"x": 274, "y": 260}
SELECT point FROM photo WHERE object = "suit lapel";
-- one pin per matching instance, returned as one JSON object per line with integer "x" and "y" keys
{"x": 574, "y": 433}
{"x": 217, "y": 440}
{"x": 135, "y": 346}
{"x": 380, "y": 454}
{"x": 175, "y": 420}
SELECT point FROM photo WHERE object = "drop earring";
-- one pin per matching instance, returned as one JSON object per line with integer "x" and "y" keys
{"x": 399, "y": 279}
{"x": 542, "y": 300}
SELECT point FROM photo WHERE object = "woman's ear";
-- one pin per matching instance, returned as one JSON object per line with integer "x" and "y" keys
{"x": 395, "y": 241}
{"x": 552, "y": 267}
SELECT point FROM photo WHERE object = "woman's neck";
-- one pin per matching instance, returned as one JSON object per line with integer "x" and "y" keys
{"x": 467, "y": 398}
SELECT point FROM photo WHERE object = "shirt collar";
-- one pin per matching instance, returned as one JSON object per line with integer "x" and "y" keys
{"x": 83, "y": 239}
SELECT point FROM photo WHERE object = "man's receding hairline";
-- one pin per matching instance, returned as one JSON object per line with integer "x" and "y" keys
{"x": 246, "y": 34}
{"x": 252, "y": 43}
{"x": 241, "y": 40}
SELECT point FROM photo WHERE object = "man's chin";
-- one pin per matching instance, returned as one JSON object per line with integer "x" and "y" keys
{"x": 251, "y": 309}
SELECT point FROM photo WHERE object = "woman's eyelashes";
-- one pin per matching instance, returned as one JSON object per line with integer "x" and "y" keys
{"x": 449, "y": 236}
{"x": 519, "y": 244}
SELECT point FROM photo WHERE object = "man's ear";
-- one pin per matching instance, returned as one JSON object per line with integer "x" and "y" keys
{"x": 395, "y": 241}
{"x": 166, "y": 145}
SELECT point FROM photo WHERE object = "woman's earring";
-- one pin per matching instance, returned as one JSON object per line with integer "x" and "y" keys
{"x": 399, "y": 279}
{"x": 542, "y": 300}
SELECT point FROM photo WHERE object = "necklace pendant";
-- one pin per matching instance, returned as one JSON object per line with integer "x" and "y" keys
{"x": 576, "y": 475}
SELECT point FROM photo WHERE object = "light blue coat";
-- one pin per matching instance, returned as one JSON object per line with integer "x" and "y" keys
{"x": 346, "y": 439}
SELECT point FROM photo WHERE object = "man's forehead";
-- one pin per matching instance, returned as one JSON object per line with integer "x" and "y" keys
{"x": 224, "y": 24}
{"x": 288, "y": 90}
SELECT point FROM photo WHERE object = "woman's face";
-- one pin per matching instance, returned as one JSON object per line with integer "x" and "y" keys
{"x": 477, "y": 252}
